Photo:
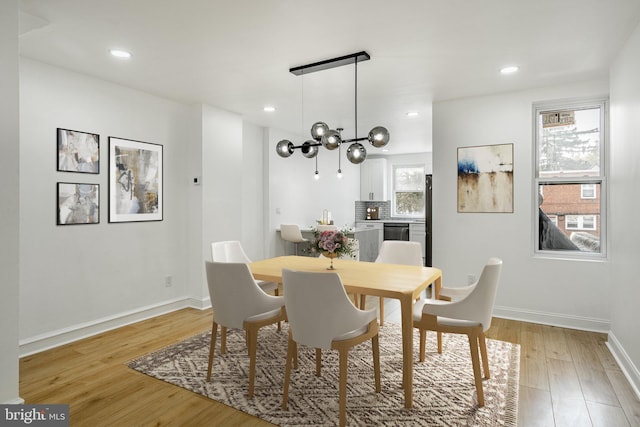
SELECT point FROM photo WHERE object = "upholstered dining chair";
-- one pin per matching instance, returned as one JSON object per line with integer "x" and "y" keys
{"x": 321, "y": 316}
{"x": 239, "y": 303}
{"x": 291, "y": 233}
{"x": 398, "y": 252}
{"x": 470, "y": 315}
{"x": 231, "y": 251}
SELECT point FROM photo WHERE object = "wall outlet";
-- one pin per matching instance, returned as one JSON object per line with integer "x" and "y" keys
{"x": 168, "y": 281}
{"x": 471, "y": 279}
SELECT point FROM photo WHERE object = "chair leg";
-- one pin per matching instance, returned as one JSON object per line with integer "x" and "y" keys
{"x": 276, "y": 292}
{"x": 381, "y": 311}
{"x": 318, "y": 361}
{"x": 423, "y": 344}
{"x": 252, "y": 336}
{"x": 291, "y": 350}
{"x": 344, "y": 357}
{"x": 439, "y": 342}
{"x": 473, "y": 345}
{"x": 363, "y": 301}
{"x": 223, "y": 340}
{"x": 212, "y": 347}
{"x": 376, "y": 361}
{"x": 483, "y": 352}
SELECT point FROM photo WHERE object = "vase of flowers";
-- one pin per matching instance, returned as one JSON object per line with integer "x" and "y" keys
{"x": 332, "y": 244}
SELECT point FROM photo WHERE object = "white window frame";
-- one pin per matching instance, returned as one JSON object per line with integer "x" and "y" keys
{"x": 393, "y": 188}
{"x": 590, "y": 189}
{"x": 574, "y": 104}
{"x": 580, "y": 222}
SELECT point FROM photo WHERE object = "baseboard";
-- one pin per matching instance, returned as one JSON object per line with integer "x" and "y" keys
{"x": 553, "y": 319}
{"x": 629, "y": 370}
{"x": 63, "y": 336}
{"x": 16, "y": 401}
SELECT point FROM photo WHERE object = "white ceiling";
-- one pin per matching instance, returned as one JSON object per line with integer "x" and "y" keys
{"x": 235, "y": 54}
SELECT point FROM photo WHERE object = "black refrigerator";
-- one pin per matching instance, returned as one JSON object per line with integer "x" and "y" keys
{"x": 428, "y": 219}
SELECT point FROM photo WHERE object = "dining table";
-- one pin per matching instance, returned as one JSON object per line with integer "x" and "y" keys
{"x": 402, "y": 282}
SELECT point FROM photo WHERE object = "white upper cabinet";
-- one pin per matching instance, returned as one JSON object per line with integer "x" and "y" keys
{"x": 373, "y": 180}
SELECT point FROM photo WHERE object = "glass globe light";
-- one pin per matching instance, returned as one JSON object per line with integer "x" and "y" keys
{"x": 378, "y": 136}
{"x": 284, "y": 148}
{"x": 356, "y": 153}
{"x": 331, "y": 139}
{"x": 309, "y": 150}
{"x": 318, "y": 129}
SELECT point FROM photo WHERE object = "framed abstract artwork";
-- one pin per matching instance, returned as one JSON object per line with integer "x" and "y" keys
{"x": 485, "y": 178}
{"x": 78, "y": 203}
{"x": 78, "y": 151}
{"x": 135, "y": 180}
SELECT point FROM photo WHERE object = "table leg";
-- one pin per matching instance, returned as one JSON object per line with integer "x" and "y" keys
{"x": 406, "y": 307}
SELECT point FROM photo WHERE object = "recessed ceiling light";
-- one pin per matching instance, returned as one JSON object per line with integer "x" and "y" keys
{"x": 269, "y": 109}
{"x": 120, "y": 53}
{"x": 412, "y": 113}
{"x": 510, "y": 69}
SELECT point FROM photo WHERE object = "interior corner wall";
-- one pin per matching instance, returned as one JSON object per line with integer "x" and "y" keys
{"x": 76, "y": 276}
{"x": 625, "y": 203}
{"x": 561, "y": 292}
{"x": 9, "y": 201}
{"x": 221, "y": 178}
{"x": 252, "y": 193}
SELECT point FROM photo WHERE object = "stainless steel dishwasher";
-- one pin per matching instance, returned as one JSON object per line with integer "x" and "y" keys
{"x": 396, "y": 231}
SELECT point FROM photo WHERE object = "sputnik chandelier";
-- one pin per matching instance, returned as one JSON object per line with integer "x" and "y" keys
{"x": 328, "y": 138}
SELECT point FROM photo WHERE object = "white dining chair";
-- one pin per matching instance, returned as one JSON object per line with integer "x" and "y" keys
{"x": 321, "y": 316}
{"x": 470, "y": 315}
{"x": 231, "y": 251}
{"x": 398, "y": 252}
{"x": 239, "y": 303}
{"x": 291, "y": 233}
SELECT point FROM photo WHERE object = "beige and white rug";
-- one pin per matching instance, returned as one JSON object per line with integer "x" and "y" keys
{"x": 443, "y": 387}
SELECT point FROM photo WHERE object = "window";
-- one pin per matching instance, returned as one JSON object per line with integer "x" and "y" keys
{"x": 588, "y": 191}
{"x": 570, "y": 178}
{"x": 408, "y": 190}
{"x": 580, "y": 222}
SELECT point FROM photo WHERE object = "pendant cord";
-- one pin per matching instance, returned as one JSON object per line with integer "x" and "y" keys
{"x": 356, "y": 98}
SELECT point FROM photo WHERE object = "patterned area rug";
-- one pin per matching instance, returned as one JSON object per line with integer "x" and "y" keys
{"x": 443, "y": 386}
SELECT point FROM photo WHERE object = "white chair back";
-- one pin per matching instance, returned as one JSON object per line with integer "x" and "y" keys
{"x": 235, "y": 296}
{"x": 291, "y": 233}
{"x": 319, "y": 309}
{"x": 229, "y": 251}
{"x": 400, "y": 252}
{"x": 477, "y": 306}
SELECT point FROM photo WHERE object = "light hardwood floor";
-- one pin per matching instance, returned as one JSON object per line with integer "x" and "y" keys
{"x": 567, "y": 377}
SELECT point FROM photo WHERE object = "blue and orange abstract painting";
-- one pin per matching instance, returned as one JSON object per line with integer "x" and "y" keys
{"x": 485, "y": 178}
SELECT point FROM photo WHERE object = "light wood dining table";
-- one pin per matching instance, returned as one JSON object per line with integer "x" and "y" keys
{"x": 402, "y": 282}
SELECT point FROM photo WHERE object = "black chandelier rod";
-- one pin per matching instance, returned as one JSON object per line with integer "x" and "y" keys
{"x": 330, "y": 63}
{"x": 317, "y": 144}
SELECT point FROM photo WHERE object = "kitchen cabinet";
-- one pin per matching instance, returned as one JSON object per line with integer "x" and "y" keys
{"x": 370, "y": 241}
{"x": 418, "y": 233}
{"x": 373, "y": 180}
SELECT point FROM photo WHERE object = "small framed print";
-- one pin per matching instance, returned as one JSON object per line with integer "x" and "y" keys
{"x": 78, "y": 203}
{"x": 135, "y": 181}
{"x": 78, "y": 151}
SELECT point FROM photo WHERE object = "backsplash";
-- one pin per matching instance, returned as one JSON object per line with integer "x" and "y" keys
{"x": 384, "y": 211}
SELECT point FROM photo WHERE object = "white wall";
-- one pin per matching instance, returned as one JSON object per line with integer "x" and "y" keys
{"x": 73, "y": 277}
{"x": 9, "y": 201}
{"x": 625, "y": 204}
{"x": 299, "y": 198}
{"x": 561, "y": 292}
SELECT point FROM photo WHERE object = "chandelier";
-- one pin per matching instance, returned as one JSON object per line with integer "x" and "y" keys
{"x": 322, "y": 134}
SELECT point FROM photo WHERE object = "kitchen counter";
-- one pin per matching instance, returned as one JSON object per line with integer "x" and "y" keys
{"x": 394, "y": 220}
